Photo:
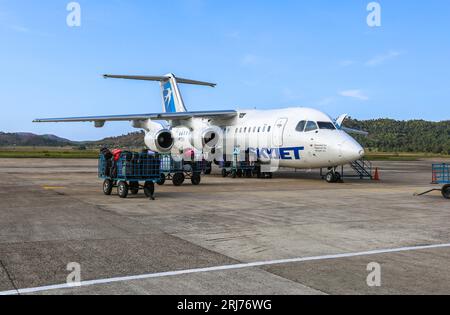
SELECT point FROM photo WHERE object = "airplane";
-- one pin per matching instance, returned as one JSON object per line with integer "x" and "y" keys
{"x": 298, "y": 137}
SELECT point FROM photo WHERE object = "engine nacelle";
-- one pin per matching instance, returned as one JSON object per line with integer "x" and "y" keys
{"x": 207, "y": 139}
{"x": 161, "y": 141}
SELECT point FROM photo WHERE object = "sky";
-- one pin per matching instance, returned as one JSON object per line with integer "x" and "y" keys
{"x": 263, "y": 54}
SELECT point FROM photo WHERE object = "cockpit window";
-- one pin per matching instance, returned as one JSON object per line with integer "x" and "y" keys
{"x": 326, "y": 125}
{"x": 311, "y": 126}
{"x": 301, "y": 126}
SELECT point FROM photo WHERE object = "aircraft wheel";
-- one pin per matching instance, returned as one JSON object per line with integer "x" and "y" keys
{"x": 196, "y": 179}
{"x": 162, "y": 181}
{"x": 178, "y": 179}
{"x": 122, "y": 189}
{"x": 446, "y": 191}
{"x": 149, "y": 190}
{"x": 208, "y": 169}
{"x": 107, "y": 187}
{"x": 331, "y": 177}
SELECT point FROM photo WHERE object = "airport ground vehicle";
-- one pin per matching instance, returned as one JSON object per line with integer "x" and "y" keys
{"x": 441, "y": 176}
{"x": 130, "y": 172}
{"x": 179, "y": 170}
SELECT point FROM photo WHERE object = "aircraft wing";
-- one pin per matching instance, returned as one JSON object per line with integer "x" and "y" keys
{"x": 221, "y": 114}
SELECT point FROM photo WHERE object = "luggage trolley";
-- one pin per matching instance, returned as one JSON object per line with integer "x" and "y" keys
{"x": 130, "y": 173}
{"x": 179, "y": 170}
{"x": 441, "y": 176}
{"x": 238, "y": 168}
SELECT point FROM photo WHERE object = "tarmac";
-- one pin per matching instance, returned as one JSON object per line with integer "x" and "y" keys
{"x": 293, "y": 234}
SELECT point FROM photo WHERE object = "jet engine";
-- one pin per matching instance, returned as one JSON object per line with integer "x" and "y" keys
{"x": 207, "y": 139}
{"x": 161, "y": 141}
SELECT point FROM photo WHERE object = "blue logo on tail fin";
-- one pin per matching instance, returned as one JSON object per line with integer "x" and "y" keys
{"x": 169, "y": 99}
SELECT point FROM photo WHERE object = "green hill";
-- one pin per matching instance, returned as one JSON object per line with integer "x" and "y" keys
{"x": 387, "y": 135}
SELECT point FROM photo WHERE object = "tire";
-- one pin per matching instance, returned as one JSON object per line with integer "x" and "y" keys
{"x": 149, "y": 190}
{"x": 239, "y": 173}
{"x": 331, "y": 177}
{"x": 107, "y": 187}
{"x": 162, "y": 181}
{"x": 249, "y": 174}
{"x": 208, "y": 170}
{"x": 196, "y": 179}
{"x": 338, "y": 177}
{"x": 269, "y": 175}
{"x": 446, "y": 191}
{"x": 134, "y": 188}
{"x": 178, "y": 179}
{"x": 224, "y": 173}
{"x": 122, "y": 190}
{"x": 234, "y": 174}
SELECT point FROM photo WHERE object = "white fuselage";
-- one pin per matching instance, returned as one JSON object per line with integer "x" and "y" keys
{"x": 295, "y": 137}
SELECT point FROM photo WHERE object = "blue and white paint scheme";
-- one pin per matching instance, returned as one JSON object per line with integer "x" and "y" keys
{"x": 295, "y": 137}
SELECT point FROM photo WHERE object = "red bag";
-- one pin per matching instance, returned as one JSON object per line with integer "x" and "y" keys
{"x": 116, "y": 153}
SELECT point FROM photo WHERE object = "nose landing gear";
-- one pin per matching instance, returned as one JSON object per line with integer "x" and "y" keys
{"x": 333, "y": 176}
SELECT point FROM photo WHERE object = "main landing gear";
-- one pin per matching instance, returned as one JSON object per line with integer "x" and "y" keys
{"x": 333, "y": 176}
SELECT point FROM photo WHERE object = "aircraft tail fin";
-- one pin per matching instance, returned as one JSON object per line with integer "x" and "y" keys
{"x": 172, "y": 100}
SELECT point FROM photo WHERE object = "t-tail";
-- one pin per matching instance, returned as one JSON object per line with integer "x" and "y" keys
{"x": 171, "y": 96}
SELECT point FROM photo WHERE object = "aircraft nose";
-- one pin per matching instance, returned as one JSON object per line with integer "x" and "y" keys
{"x": 352, "y": 151}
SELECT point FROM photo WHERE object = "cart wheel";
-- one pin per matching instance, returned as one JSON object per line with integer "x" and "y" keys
{"x": 196, "y": 179}
{"x": 224, "y": 173}
{"x": 208, "y": 171}
{"x": 234, "y": 174}
{"x": 178, "y": 179}
{"x": 122, "y": 189}
{"x": 239, "y": 173}
{"x": 162, "y": 181}
{"x": 446, "y": 191}
{"x": 107, "y": 187}
{"x": 134, "y": 188}
{"x": 149, "y": 190}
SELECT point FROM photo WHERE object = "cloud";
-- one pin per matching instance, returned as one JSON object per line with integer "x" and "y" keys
{"x": 380, "y": 59}
{"x": 233, "y": 35}
{"x": 19, "y": 28}
{"x": 251, "y": 60}
{"x": 356, "y": 94}
{"x": 326, "y": 101}
{"x": 346, "y": 63}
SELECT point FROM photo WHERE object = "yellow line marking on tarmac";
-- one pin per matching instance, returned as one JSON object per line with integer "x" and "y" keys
{"x": 52, "y": 187}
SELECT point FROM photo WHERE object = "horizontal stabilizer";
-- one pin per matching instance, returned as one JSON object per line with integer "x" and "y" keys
{"x": 355, "y": 131}
{"x": 159, "y": 79}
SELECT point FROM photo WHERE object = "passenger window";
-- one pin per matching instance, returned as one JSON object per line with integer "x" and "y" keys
{"x": 311, "y": 126}
{"x": 269, "y": 128}
{"x": 301, "y": 126}
{"x": 259, "y": 129}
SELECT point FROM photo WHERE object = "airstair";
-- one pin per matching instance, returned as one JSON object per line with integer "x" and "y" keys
{"x": 362, "y": 169}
